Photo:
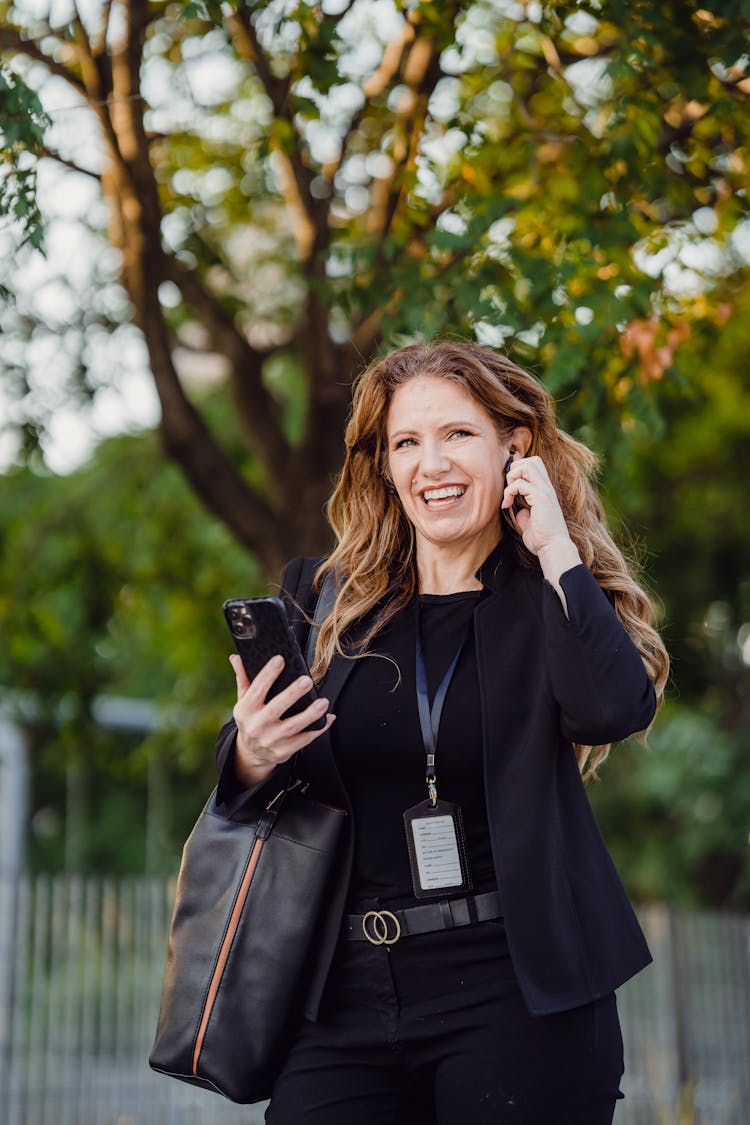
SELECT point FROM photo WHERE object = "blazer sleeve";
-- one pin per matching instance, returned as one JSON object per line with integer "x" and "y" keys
{"x": 597, "y": 674}
{"x": 229, "y": 791}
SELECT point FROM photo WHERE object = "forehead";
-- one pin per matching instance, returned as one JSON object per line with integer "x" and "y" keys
{"x": 430, "y": 399}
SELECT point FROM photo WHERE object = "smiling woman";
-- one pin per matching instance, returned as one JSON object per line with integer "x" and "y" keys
{"x": 445, "y": 455}
{"x": 485, "y": 635}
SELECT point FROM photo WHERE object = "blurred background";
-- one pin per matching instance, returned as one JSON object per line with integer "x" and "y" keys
{"x": 212, "y": 216}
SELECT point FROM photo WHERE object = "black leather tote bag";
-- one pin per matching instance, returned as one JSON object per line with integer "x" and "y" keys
{"x": 250, "y": 893}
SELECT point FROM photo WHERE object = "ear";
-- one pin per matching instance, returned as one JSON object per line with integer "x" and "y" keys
{"x": 520, "y": 440}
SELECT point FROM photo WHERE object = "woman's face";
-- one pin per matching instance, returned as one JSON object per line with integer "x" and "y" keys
{"x": 447, "y": 462}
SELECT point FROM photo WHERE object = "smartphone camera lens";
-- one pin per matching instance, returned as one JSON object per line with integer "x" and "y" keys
{"x": 242, "y": 621}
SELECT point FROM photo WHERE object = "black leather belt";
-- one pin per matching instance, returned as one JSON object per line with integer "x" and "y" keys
{"x": 384, "y": 927}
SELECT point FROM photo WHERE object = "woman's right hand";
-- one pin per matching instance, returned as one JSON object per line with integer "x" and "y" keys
{"x": 264, "y": 739}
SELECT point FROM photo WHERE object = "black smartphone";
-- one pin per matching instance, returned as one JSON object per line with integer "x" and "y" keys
{"x": 260, "y": 629}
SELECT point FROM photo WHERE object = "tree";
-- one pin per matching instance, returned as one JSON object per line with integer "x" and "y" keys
{"x": 564, "y": 179}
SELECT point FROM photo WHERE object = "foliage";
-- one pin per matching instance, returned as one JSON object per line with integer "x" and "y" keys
{"x": 676, "y": 815}
{"x": 22, "y": 125}
{"x": 685, "y": 498}
{"x": 111, "y": 582}
{"x": 565, "y": 180}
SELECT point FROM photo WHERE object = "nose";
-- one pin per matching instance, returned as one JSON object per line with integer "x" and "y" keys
{"x": 434, "y": 459}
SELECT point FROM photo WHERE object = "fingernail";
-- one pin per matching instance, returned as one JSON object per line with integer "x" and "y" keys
{"x": 323, "y": 704}
{"x": 277, "y": 660}
{"x": 304, "y": 681}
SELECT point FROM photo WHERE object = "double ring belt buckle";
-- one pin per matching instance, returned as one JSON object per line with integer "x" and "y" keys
{"x": 377, "y": 930}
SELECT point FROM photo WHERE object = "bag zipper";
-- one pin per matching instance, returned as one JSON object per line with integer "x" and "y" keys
{"x": 226, "y": 945}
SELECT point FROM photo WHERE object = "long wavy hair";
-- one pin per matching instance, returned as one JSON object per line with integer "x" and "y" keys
{"x": 375, "y": 558}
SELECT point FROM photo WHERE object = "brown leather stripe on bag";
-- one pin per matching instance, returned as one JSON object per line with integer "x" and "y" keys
{"x": 226, "y": 945}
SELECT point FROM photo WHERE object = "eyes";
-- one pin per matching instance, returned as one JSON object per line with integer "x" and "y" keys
{"x": 405, "y": 442}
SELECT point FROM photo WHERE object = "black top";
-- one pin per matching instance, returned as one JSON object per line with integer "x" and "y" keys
{"x": 381, "y": 756}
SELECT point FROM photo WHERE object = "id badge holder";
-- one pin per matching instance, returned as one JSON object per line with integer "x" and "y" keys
{"x": 437, "y": 849}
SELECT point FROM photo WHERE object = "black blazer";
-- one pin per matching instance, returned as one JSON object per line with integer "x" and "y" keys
{"x": 546, "y": 681}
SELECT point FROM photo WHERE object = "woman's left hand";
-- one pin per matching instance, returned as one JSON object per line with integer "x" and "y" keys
{"x": 542, "y": 524}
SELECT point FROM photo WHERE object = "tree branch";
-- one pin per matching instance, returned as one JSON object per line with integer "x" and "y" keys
{"x": 257, "y": 409}
{"x": 101, "y": 45}
{"x": 365, "y": 335}
{"x": 12, "y": 40}
{"x": 558, "y": 59}
{"x": 95, "y": 93}
{"x": 52, "y": 155}
{"x": 420, "y": 72}
{"x": 296, "y": 177}
{"x": 379, "y": 80}
{"x": 89, "y": 69}
{"x": 190, "y": 443}
{"x": 245, "y": 38}
{"x": 122, "y": 121}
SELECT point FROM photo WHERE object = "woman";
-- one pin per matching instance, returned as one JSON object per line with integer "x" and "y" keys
{"x": 472, "y": 943}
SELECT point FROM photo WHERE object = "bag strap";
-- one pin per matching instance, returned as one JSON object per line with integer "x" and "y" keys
{"x": 322, "y": 609}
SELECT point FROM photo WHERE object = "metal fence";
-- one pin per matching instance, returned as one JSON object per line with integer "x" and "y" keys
{"x": 80, "y": 976}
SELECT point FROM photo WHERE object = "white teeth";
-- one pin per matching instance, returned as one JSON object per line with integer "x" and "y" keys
{"x": 443, "y": 493}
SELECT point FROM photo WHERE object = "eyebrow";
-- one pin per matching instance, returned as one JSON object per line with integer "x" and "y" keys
{"x": 458, "y": 424}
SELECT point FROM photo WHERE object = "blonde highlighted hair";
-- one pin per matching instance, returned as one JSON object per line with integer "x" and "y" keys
{"x": 375, "y": 560}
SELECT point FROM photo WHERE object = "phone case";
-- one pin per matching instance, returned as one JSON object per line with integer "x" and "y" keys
{"x": 260, "y": 629}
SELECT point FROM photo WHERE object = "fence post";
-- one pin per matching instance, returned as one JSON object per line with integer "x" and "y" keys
{"x": 13, "y": 813}
{"x": 679, "y": 1002}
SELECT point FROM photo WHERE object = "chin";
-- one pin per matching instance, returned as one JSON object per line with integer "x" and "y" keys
{"x": 446, "y": 537}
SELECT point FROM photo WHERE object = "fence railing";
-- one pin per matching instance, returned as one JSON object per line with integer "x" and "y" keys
{"x": 80, "y": 980}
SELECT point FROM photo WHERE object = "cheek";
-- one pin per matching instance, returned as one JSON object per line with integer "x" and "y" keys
{"x": 401, "y": 475}
{"x": 494, "y": 493}
{"x": 404, "y": 467}
{"x": 493, "y": 476}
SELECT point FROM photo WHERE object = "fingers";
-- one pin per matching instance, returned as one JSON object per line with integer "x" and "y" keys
{"x": 256, "y": 759}
{"x": 307, "y": 736}
{"x": 257, "y": 690}
{"x": 280, "y": 703}
{"x": 522, "y": 518}
{"x": 295, "y": 724}
{"x": 262, "y": 683}
{"x": 264, "y": 738}
{"x": 240, "y": 674}
{"x": 264, "y": 742}
{"x": 542, "y": 521}
{"x": 524, "y": 477}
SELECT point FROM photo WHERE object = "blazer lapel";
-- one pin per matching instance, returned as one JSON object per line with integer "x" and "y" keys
{"x": 318, "y": 758}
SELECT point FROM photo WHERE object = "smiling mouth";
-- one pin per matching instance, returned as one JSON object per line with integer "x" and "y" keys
{"x": 437, "y": 497}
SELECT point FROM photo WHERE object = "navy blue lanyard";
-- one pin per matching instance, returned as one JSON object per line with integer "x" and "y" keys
{"x": 429, "y": 717}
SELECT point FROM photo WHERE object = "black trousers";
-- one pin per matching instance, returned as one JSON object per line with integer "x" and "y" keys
{"x": 433, "y": 1031}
